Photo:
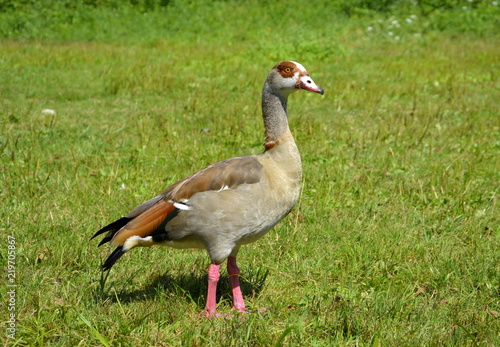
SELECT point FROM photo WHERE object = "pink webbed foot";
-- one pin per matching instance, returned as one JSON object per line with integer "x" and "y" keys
{"x": 213, "y": 279}
{"x": 210, "y": 307}
{"x": 238, "y": 302}
{"x": 234, "y": 278}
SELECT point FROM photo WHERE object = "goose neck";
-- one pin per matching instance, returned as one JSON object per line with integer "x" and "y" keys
{"x": 275, "y": 115}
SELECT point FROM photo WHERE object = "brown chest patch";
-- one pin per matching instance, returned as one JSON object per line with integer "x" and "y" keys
{"x": 270, "y": 144}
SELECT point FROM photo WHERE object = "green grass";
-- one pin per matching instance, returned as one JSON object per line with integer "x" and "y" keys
{"x": 394, "y": 241}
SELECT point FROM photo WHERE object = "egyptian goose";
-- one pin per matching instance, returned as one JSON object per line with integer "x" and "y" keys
{"x": 230, "y": 203}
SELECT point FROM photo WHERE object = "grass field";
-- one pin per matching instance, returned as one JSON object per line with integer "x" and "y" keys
{"x": 395, "y": 240}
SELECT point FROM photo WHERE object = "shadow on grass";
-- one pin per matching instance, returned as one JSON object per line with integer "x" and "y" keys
{"x": 190, "y": 285}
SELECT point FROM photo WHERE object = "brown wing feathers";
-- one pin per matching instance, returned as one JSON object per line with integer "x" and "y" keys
{"x": 150, "y": 218}
{"x": 227, "y": 173}
{"x": 146, "y": 223}
{"x": 143, "y": 225}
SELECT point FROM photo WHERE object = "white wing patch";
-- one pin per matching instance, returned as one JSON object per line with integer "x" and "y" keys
{"x": 181, "y": 205}
{"x": 223, "y": 188}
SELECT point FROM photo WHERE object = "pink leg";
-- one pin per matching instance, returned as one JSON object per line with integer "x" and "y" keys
{"x": 234, "y": 271}
{"x": 213, "y": 278}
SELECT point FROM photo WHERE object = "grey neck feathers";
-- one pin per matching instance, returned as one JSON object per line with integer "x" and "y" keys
{"x": 274, "y": 113}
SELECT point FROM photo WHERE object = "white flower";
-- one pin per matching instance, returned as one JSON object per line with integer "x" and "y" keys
{"x": 48, "y": 112}
{"x": 122, "y": 187}
{"x": 480, "y": 213}
{"x": 390, "y": 33}
{"x": 369, "y": 28}
{"x": 394, "y": 22}
{"x": 409, "y": 20}
{"x": 397, "y": 38}
{"x": 494, "y": 3}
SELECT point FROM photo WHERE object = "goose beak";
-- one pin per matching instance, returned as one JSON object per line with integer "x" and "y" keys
{"x": 305, "y": 82}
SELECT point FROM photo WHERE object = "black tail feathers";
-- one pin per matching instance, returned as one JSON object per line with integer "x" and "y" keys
{"x": 117, "y": 253}
{"x": 112, "y": 229}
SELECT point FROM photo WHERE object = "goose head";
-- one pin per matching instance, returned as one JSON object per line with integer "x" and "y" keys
{"x": 289, "y": 76}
